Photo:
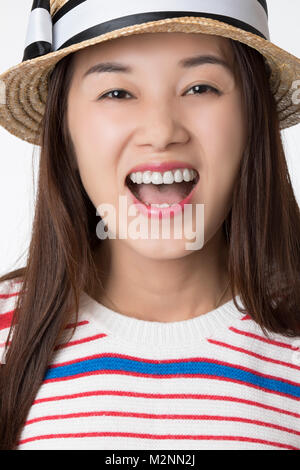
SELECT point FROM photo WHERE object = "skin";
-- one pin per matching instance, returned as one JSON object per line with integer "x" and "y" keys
{"x": 163, "y": 118}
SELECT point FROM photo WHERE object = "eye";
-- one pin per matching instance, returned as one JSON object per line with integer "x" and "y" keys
{"x": 115, "y": 94}
{"x": 120, "y": 93}
{"x": 205, "y": 87}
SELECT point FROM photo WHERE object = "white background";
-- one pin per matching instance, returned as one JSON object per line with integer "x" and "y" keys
{"x": 19, "y": 160}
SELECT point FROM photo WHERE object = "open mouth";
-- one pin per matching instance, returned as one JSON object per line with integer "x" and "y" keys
{"x": 162, "y": 193}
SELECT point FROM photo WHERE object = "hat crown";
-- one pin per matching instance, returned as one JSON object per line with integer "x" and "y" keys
{"x": 58, "y": 24}
{"x": 55, "y": 5}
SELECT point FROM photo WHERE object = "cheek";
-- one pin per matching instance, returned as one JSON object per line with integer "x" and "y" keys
{"x": 95, "y": 141}
{"x": 222, "y": 140}
{"x": 90, "y": 133}
{"x": 223, "y": 137}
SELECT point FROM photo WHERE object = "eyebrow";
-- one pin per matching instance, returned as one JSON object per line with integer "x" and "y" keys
{"x": 188, "y": 62}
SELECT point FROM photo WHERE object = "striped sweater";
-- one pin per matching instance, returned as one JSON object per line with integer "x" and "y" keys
{"x": 211, "y": 382}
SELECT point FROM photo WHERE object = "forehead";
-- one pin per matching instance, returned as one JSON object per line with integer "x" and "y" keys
{"x": 152, "y": 46}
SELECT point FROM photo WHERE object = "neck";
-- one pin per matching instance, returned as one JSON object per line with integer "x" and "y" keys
{"x": 165, "y": 290}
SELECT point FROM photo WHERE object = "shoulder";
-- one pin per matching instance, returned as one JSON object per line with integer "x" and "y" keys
{"x": 9, "y": 291}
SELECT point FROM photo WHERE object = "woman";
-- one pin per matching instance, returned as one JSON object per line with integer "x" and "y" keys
{"x": 140, "y": 343}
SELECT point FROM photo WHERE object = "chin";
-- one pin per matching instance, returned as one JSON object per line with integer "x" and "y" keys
{"x": 160, "y": 249}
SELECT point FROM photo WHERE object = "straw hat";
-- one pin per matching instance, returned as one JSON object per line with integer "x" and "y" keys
{"x": 58, "y": 27}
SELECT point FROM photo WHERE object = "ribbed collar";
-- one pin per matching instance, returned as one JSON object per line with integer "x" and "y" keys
{"x": 159, "y": 334}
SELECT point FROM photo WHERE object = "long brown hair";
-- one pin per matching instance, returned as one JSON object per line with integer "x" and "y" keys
{"x": 262, "y": 232}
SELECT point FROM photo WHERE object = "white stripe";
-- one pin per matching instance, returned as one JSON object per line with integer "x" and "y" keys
{"x": 89, "y": 13}
{"x": 39, "y": 27}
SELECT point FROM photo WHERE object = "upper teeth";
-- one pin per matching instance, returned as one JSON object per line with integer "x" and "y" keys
{"x": 166, "y": 177}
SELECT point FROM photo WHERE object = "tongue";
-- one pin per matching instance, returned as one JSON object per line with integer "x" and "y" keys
{"x": 163, "y": 193}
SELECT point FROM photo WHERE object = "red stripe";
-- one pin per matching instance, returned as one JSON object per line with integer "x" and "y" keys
{"x": 167, "y": 361}
{"x": 126, "y": 414}
{"x": 247, "y": 317}
{"x": 72, "y": 325}
{"x": 6, "y": 319}
{"x": 170, "y": 376}
{"x": 158, "y": 436}
{"x": 176, "y": 396}
{"x": 251, "y": 353}
{"x": 79, "y": 341}
{"x": 263, "y": 339}
{"x": 7, "y": 296}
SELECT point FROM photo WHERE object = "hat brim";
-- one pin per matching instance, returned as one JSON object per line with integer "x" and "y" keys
{"x": 23, "y": 88}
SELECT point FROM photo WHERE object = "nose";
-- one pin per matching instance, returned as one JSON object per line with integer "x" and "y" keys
{"x": 160, "y": 126}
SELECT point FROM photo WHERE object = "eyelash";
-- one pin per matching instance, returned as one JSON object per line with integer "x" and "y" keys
{"x": 212, "y": 90}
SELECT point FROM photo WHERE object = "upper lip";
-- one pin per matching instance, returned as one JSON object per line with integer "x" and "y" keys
{"x": 160, "y": 166}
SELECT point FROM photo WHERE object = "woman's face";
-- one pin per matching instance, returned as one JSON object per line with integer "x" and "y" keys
{"x": 161, "y": 115}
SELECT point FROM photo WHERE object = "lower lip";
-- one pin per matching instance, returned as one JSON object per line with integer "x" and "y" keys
{"x": 162, "y": 212}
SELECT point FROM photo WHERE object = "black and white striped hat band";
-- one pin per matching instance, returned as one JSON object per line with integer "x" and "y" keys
{"x": 79, "y": 20}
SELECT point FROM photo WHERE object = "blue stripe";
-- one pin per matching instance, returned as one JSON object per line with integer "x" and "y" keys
{"x": 182, "y": 368}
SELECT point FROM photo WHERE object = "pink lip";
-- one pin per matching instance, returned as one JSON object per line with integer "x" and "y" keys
{"x": 152, "y": 211}
{"x": 160, "y": 166}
